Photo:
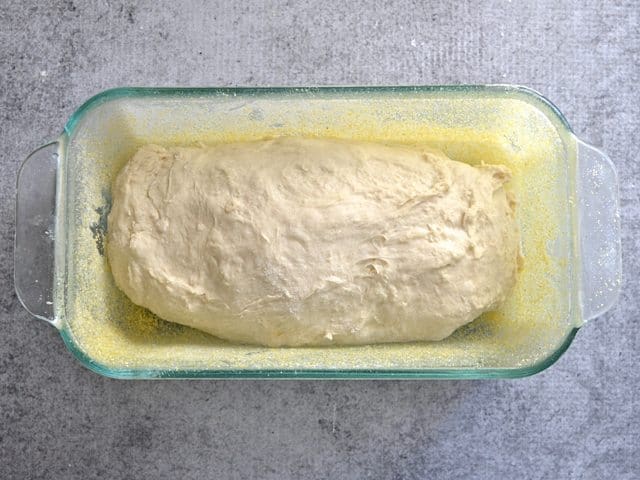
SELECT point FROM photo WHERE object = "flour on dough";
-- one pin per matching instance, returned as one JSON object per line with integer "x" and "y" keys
{"x": 297, "y": 241}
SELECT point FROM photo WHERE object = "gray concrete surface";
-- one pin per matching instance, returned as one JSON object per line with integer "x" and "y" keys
{"x": 579, "y": 419}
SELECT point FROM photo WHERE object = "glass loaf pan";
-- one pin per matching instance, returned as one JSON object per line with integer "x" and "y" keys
{"x": 567, "y": 196}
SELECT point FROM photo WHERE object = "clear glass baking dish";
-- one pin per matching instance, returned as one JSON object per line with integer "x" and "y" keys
{"x": 568, "y": 213}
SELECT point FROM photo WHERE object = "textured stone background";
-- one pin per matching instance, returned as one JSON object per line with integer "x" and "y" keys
{"x": 579, "y": 419}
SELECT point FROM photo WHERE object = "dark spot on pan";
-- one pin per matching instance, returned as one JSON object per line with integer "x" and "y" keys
{"x": 99, "y": 228}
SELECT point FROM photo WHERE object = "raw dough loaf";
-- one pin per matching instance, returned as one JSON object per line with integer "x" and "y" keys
{"x": 298, "y": 241}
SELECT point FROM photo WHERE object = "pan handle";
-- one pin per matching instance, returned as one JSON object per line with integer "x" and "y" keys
{"x": 35, "y": 230}
{"x": 599, "y": 227}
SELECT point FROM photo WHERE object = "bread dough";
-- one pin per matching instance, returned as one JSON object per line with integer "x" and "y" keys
{"x": 297, "y": 241}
